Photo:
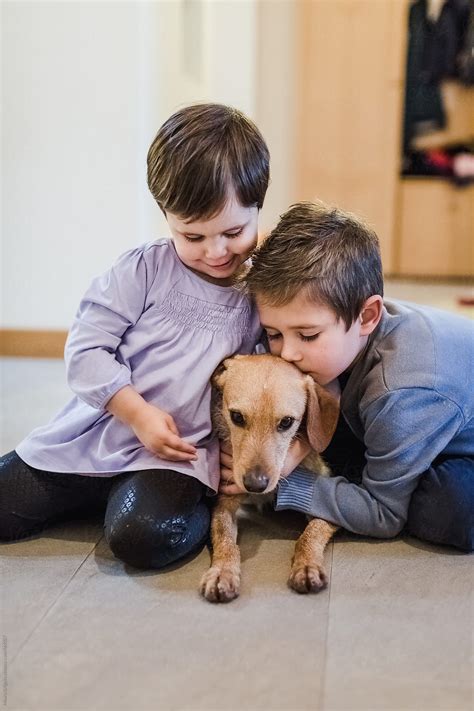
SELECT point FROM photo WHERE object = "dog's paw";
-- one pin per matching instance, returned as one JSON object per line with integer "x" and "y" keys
{"x": 220, "y": 585}
{"x": 307, "y": 578}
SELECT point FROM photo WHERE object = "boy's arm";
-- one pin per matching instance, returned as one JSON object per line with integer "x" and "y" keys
{"x": 404, "y": 432}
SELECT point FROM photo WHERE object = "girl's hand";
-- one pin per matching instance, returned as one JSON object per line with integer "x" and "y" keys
{"x": 157, "y": 431}
{"x": 227, "y": 485}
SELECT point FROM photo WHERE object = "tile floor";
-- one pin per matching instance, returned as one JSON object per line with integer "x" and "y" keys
{"x": 394, "y": 630}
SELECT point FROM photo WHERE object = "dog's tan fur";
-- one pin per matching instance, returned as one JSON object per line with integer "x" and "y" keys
{"x": 265, "y": 390}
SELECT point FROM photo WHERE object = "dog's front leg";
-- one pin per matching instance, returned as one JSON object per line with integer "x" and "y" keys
{"x": 221, "y": 583}
{"x": 307, "y": 567}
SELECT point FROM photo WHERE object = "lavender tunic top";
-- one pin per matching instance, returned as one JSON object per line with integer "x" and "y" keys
{"x": 151, "y": 323}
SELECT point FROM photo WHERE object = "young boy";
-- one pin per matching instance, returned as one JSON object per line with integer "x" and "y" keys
{"x": 403, "y": 452}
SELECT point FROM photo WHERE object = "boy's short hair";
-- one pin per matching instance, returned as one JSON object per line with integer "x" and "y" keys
{"x": 330, "y": 254}
{"x": 199, "y": 154}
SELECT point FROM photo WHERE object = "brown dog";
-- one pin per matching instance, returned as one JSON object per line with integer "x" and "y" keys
{"x": 261, "y": 404}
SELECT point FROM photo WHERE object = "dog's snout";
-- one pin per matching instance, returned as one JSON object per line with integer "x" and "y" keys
{"x": 256, "y": 481}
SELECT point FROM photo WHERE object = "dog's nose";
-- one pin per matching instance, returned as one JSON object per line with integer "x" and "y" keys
{"x": 255, "y": 481}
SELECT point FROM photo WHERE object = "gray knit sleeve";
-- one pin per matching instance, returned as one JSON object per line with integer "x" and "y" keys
{"x": 405, "y": 430}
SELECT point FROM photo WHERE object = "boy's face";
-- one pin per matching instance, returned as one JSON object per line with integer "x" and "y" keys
{"x": 310, "y": 336}
{"x": 216, "y": 248}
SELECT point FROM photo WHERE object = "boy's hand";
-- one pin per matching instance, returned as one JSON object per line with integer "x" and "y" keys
{"x": 298, "y": 450}
{"x": 157, "y": 431}
{"x": 227, "y": 485}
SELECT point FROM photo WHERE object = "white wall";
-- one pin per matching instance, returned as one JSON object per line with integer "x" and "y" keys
{"x": 86, "y": 85}
{"x": 276, "y": 102}
{"x": 73, "y": 151}
{"x": 206, "y": 50}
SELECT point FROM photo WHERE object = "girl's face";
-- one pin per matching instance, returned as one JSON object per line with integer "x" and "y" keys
{"x": 216, "y": 248}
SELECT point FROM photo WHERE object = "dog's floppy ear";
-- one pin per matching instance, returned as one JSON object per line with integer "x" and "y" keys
{"x": 219, "y": 375}
{"x": 322, "y": 414}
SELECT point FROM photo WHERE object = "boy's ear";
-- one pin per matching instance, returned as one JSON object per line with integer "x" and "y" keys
{"x": 371, "y": 314}
{"x": 322, "y": 414}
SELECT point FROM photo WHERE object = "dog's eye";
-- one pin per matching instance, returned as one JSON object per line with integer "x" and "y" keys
{"x": 285, "y": 423}
{"x": 237, "y": 418}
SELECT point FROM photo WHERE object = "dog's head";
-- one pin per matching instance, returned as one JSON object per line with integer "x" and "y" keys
{"x": 265, "y": 400}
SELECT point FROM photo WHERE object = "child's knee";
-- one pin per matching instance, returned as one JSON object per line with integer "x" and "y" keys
{"x": 144, "y": 542}
{"x": 442, "y": 507}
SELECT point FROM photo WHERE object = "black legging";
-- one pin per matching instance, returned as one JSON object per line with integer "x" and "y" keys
{"x": 152, "y": 517}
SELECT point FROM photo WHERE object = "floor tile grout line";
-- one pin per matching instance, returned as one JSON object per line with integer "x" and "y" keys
{"x": 322, "y": 691}
{"x": 12, "y": 660}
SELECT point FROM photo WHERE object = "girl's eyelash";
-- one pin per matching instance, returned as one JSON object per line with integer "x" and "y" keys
{"x": 273, "y": 336}
{"x": 232, "y": 234}
{"x": 199, "y": 238}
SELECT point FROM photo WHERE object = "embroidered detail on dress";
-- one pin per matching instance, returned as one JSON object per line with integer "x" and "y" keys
{"x": 196, "y": 313}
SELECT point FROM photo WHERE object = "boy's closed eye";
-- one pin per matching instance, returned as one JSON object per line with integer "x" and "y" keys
{"x": 307, "y": 337}
{"x": 272, "y": 336}
{"x": 304, "y": 337}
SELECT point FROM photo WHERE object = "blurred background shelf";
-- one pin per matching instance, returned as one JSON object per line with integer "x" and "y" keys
{"x": 351, "y": 87}
{"x": 430, "y": 209}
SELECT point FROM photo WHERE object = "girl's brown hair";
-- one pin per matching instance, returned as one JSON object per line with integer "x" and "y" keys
{"x": 330, "y": 254}
{"x": 201, "y": 154}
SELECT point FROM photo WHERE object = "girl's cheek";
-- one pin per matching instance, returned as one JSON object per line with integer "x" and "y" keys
{"x": 249, "y": 244}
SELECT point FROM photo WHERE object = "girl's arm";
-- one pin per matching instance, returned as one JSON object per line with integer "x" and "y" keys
{"x": 154, "y": 428}
{"x": 114, "y": 303}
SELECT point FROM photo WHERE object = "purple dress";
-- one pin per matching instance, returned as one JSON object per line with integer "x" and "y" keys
{"x": 151, "y": 323}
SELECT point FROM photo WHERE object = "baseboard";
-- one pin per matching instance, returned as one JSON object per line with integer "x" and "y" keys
{"x": 32, "y": 344}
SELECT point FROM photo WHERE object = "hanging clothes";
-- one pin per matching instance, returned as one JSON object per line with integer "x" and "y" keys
{"x": 466, "y": 58}
{"x": 434, "y": 49}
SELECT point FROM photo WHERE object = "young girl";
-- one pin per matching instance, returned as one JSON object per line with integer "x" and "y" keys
{"x": 136, "y": 439}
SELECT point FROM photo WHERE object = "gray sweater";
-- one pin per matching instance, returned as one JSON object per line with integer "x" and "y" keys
{"x": 409, "y": 398}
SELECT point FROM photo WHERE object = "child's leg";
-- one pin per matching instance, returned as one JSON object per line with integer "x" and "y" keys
{"x": 31, "y": 499}
{"x": 156, "y": 517}
{"x": 442, "y": 506}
